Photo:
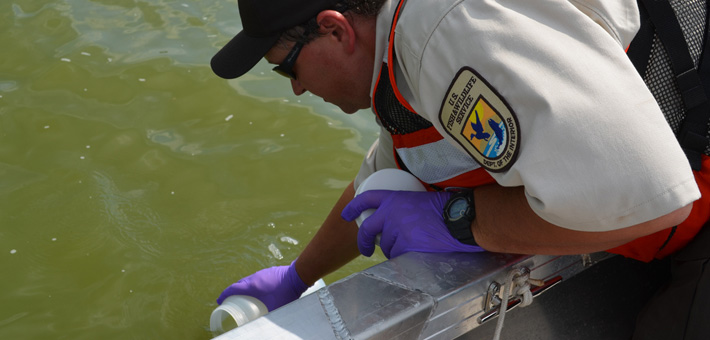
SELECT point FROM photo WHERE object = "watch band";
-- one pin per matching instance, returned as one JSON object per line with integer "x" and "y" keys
{"x": 460, "y": 227}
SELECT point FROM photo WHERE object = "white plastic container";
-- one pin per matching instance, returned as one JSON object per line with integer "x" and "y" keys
{"x": 387, "y": 179}
{"x": 237, "y": 310}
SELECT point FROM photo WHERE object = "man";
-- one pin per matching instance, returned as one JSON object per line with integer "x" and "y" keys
{"x": 578, "y": 157}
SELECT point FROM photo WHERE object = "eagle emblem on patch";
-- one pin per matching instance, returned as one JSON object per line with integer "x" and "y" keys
{"x": 481, "y": 121}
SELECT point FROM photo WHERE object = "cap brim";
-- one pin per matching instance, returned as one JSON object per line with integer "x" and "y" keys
{"x": 241, "y": 54}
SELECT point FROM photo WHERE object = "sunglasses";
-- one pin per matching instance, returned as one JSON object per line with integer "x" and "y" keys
{"x": 286, "y": 67}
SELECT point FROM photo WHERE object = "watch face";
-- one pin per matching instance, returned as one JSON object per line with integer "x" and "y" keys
{"x": 458, "y": 208}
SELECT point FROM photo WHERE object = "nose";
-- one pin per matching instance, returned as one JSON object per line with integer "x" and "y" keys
{"x": 298, "y": 89}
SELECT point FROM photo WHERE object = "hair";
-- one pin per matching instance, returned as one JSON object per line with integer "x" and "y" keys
{"x": 308, "y": 30}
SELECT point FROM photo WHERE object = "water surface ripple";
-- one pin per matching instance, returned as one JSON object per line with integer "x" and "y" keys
{"x": 134, "y": 184}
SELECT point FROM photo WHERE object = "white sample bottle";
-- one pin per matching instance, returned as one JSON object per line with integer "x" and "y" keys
{"x": 387, "y": 179}
{"x": 237, "y": 310}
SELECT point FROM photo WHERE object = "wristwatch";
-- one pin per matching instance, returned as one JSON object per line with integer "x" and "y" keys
{"x": 459, "y": 213}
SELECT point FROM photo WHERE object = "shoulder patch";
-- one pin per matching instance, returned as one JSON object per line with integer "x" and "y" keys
{"x": 481, "y": 121}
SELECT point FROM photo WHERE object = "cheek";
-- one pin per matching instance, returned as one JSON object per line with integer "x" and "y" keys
{"x": 322, "y": 84}
{"x": 329, "y": 81}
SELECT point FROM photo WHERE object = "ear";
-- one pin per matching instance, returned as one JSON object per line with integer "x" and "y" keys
{"x": 336, "y": 25}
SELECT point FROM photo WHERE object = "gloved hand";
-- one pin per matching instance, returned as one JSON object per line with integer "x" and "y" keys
{"x": 275, "y": 286}
{"x": 407, "y": 220}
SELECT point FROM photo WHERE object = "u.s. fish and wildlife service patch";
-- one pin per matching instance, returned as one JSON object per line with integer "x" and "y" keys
{"x": 479, "y": 119}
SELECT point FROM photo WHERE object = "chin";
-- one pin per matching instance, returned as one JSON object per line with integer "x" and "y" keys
{"x": 348, "y": 109}
{"x": 352, "y": 108}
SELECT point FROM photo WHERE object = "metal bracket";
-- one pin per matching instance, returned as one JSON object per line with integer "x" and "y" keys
{"x": 491, "y": 304}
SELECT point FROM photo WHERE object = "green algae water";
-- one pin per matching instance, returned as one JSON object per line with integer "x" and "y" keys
{"x": 134, "y": 184}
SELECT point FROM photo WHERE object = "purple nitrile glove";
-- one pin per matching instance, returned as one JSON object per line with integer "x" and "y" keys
{"x": 407, "y": 220}
{"x": 275, "y": 286}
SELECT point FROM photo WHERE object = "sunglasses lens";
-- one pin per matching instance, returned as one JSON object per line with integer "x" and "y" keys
{"x": 283, "y": 72}
{"x": 286, "y": 67}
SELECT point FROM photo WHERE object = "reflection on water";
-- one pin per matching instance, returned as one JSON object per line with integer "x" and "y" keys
{"x": 135, "y": 184}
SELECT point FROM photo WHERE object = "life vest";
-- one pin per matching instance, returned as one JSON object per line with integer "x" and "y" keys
{"x": 418, "y": 147}
{"x": 421, "y": 150}
{"x": 662, "y": 56}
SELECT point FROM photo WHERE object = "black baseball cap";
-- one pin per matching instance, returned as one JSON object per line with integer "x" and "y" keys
{"x": 263, "y": 22}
